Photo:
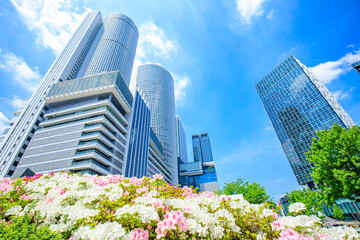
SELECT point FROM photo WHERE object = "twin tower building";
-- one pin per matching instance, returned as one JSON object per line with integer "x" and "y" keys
{"x": 84, "y": 118}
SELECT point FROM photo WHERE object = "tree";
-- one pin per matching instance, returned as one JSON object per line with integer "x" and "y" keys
{"x": 310, "y": 198}
{"x": 336, "y": 156}
{"x": 252, "y": 192}
{"x": 338, "y": 213}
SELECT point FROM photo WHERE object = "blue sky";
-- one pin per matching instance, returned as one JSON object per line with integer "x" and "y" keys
{"x": 216, "y": 50}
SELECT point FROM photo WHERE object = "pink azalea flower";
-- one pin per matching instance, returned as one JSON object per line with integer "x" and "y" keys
{"x": 157, "y": 204}
{"x": 158, "y": 176}
{"x": 290, "y": 234}
{"x": 49, "y": 200}
{"x": 278, "y": 225}
{"x": 140, "y": 234}
{"x": 24, "y": 197}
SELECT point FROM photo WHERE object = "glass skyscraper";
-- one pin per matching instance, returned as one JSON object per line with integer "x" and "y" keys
{"x": 137, "y": 157}
{"x": 181, "y": 147}
{"x": 85, "y": 119}
{"x": 157, "y": 86}
{"x": 196, "y": 143}
{"x": 116, "y": 46}
{"x": 299, "y": 105}
{"x": 202, "y": 148}
{"x": 95, "y": 47}
{"x": 201, "y": 173}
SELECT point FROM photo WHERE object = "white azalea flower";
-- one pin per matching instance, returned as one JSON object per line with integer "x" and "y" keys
{"x": 14, "y": 210}
{"x": 105, "y": 231}
{"x": 297, "y": 207}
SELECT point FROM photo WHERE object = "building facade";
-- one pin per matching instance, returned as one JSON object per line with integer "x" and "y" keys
{"x": 114, "y": 48}
{"x": 85, "y": 128}
{"x": 196, "y": 144}
{"x": 17, "y": 138}
{"x": 156, "y": 163}
{"x": 181, "y": 147}
{"x": 202, "y": 148}
{"x": 157, "y": 85}
{"x": 84, "y": 118}
{"x": 299, "y": 105}
{"x": 201, "y": 173}
{"x": 137, "y": 157}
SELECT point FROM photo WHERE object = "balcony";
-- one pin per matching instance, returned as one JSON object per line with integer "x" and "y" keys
{"x": 94, "y": 151}
{"x": 95, "y": 141}
{"x": 83, "y": 162}
{"x": 83, "y": 114}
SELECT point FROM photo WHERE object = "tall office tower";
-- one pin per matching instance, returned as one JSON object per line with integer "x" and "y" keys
{"x": 196, "y": 143}
{"x": 157, "y": 85}
{"x": 356, "y": 65}
{"x": 299, "y": 105}
{"x": 202, "y": 148}
{"x": 145, "y": 156}
{"x": 156, "y": 163}
{"x": 201, "y": 173}
{"x": 81, "y": 53}
{"x": 137, "y": 157}
{"x": 116, "y": 47}
{"x": 85, "y": 128}
{"x": 181, "y": 147}
{"x": 17, "y": 138}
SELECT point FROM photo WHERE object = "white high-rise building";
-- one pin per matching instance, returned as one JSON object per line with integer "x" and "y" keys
{"x": 157, "y": 85}
{"x": 96, "y": 47}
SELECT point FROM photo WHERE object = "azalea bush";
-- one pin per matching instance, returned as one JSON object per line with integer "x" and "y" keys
{"x": 72, "y": 206}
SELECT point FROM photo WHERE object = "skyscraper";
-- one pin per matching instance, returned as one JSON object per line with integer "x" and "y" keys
{"x": 116, "y": 47}
{"x": 202, "y": 148}
{"x": 157, "y": 85}
{"x": 196, "y": 144}
{"x": 137, "y": 157}
{"x": 299, "y": 105}
{"x": 181, "y": 147}
{"x": 201, "y": 173}
{"x": 94, "y": 48}
{"x": 86, "y": 127}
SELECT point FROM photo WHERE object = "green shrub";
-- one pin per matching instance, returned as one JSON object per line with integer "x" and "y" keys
{"x": 24, "y": 227}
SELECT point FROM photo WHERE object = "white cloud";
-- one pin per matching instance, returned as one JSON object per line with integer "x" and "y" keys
{"x": 16, "y": 102}
{"x": 26, "y": 77}
{"x": 247, "y": 9}
{"x": 271, "y": 14}
{"x": 331, "y": 70}
{"x": 52, "y": 21}
{"x": 154, "y": 43}
{"x": 181, "y": 83}
{"x": 350, "y": 46}
{"x": 269, "y": 128}
{"x": 153, "y": 47}
{"x": 341, "y": 94}
{"x": 4, "y": 122}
